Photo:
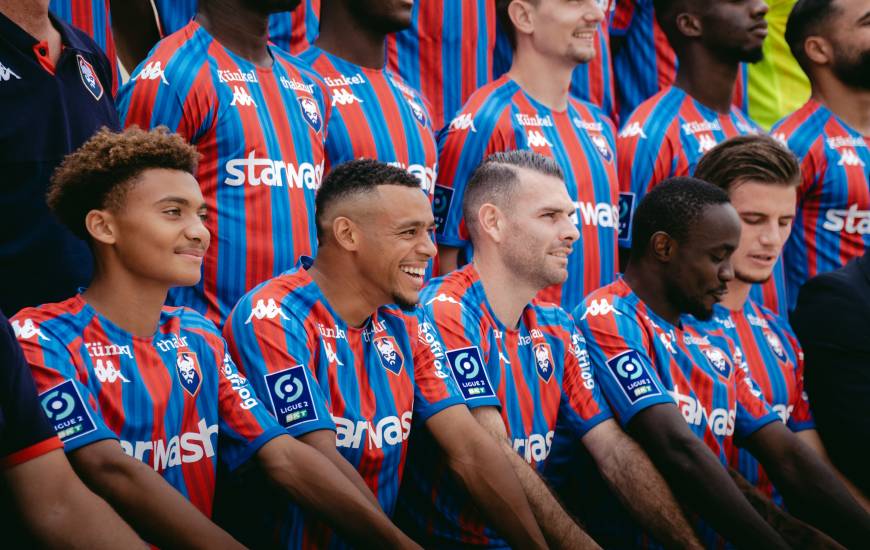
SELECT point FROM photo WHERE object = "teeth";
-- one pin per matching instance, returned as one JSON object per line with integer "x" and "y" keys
{"x": 416, "y": 271}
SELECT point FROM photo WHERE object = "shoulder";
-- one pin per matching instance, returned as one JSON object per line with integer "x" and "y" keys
{"x": 802, "y": 129}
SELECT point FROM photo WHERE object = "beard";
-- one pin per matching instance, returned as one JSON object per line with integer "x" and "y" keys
{"x": 854, "y": 73}
{"x": 687, "y": 304}
{"x": 403, "y": 302}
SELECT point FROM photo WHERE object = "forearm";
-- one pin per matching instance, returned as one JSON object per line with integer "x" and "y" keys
{"x": 153, "y": 507}
{"x": 312, "y": 481}
{"x": 494, "y": 487}
{"x": 643, "y": 491}
{"x": 324, "y": 442}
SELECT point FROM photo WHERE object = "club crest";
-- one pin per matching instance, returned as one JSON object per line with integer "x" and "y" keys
{"x": 311, "y": 113}
{"x": 718, "y": 360}
{"x": 417, "y": 111}
{"x": 89, "y": 78}
{"x": 544, "y": 361}
{"x": 188, "y": 371}
{"x": 775, "y": 345}
{"x": 389, "y": 353}
{"x": 602, "y": 146}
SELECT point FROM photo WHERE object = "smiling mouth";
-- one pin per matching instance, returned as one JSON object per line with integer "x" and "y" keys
{"x": 416, "y": 273}
{"x": 197, "y": 253}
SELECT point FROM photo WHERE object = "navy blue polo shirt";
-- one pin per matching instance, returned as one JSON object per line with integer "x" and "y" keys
{"x": 44, "y": 117}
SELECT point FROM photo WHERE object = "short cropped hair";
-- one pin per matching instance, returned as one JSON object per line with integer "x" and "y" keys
{"x": 496, "y": 178}
{"x": 356, "y": 177}
{"x": 807, "y": 18}
{"x": 673, "y": 207}
{"x": 755, "y": 157}
{"x": 504, "y": 20}
{"x": 100, "y": 172}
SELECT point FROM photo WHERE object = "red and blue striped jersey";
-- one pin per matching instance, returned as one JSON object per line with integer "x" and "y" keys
{"x": 261, "y": 133}
{"x": 446, "y": 54}
{"x": 367, "y": 384}
{"x": 592, "y": 81}
{"x": 93, "y": 17}
{"x": 832, "y": 224}
{"x": 536, "y": 374}
{"x": 641, "y": 360}
{"x": 502, "y": 117}
{"x": 772, "y": 357}
{"x": 375, "y": 115}
{"x": 165, "y": 397}
{"x": 292, "y": 31}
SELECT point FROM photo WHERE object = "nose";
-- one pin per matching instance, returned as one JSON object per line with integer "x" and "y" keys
{"x": 568, "y": 230}
{"x": 596, "y": 14}
{"x": 426, "y": 245}
{"x": 771, "y": 236}
{"x": 759, "y": 8}
{"x": 197, "y": 231}
{"x": 726, "y": 271}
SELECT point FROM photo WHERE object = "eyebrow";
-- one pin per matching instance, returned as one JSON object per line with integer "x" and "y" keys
{"x": 180, "y": 201}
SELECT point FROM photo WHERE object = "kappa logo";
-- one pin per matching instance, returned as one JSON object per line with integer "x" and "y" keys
{"x": 543, "y": 361}
{"x": 152, "y": 71}
{"x": 775, "y": 345}
{"x": 444, "y": 299}
{"x": 331, "y": 355}
{"x": 537, "y": 139}
{"x": 343, "y": 96}
{"x": 463, "y": 122}
{"x": 780, "y": 137}
{"x": 706, "y": 142}
{"x": 718, "y": 360}
{"x": 602, "y": 146}
{"x": 27, "y": 330}
{"x": 263, "y": 310}
{"x": 848, "y": 157}
{"x": 852, "y": 221}
{"x": 241, "y": 97}
{"x": 388, "y": 351}
{"x": 633, "y": 130}
{"x": 7, "y": 74}
{"x": 311, "y": 113}
{"x": 89, "y": 78}
{"x": 599, "y": 307}
{"x": 107, "y": 373}
{"x": 189, "y": 372}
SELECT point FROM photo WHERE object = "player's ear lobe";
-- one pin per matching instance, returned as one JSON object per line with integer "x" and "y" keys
{"x": 100, "y": 225}
{"x": 662, "y": 246}
{"x": 521, "y": 17}
{"x": 346, "y": 233}
{"x": 489, "y": 217}
{"x": 688, "y": 25}
{"x": 818, "y": 50}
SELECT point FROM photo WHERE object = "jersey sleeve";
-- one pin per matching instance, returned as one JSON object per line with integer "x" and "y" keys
{"x": 164, "y": 90}
{"x": 24, "y": 430}
{"x": 472, "y": 357}
{"x": 462, "y": 146}
{"x": 434, "y": 388}
{"x": 647, "y": 153}
{"x": 801, "y": 417}
{"x": 622, "y": 357}
{"x": 71, "y": 407}
{"x": 753, "y": 412}
{"x": 582, "y": 405}
{"x": 275, "y": 356}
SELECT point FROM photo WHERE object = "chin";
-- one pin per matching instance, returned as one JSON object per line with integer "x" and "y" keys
{"x": 753, "y": 277}
{"x": 405, "y": 301}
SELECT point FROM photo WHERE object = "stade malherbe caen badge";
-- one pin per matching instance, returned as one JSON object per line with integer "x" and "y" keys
{"x": 634, "y": 381}
{"x": 469, "y": 373}
{"x": 67, "y": 412}
{"x": 89, "y": 78}
{"x": 291, "y": 396}
{"x": 543, "y": 361}
{"x": 311, "y": 113}
{"x": 189, "y": 373}
{"x": 718, "y": 360}
{"x": 391, "y": 356}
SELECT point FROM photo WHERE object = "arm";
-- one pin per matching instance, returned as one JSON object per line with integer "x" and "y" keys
{"x": 324, "y": 442}
{"x": 639, "y": 486}
{"x": 135, "y": 29}
{"x": 474, "y": 456}
{"x": 811, "y": 438}
{"x": 559, "y": 529}
{"x": 809, "y": 486}
{"x": 60, "y": 511}
{"x": 697, "y": 478}
{"x": 316, "y": 484}
{"x": 152, "y": 506}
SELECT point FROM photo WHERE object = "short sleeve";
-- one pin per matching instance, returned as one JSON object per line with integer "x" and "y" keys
{"x": 582, "y": 406}
{"x": 753, "y": 412}
{"x": 473, "y": 357}
{"x": 25, "y": 433}
{"x": 274, "y": 355}
{"x": 622, "y": 358}
{"x": 434, "y": 387}
{"x": 801, "y": 417}
{"x": 69, "y": 404}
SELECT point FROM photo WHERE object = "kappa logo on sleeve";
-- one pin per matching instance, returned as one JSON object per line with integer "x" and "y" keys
{"x": 291, "y": 396}
{"x": 67, "y": 412}
{"x": 469, "y": 372}
{"x": 634, "y": 380}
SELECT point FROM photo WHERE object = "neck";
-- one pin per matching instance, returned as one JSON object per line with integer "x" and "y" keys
{"x": 343, "y": 35}
{"x": 645, "y": 281}
{"x": 738, "y": 293}
{"x": 706, "y": 78}
{"x": 31, "y": 16}
{"x": 850, "y": 104}
{"x": 245, "y": 32}
{"x": 347, "y": 295}
{"x": 507, "y": 295}
{"x": 545, "y": 79}
{"x": 126, "y": 300}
